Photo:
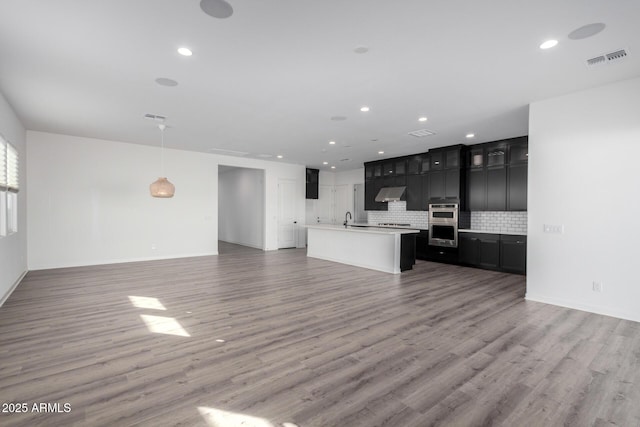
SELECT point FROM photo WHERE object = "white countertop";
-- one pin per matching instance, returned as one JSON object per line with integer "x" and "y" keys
{"x": 510, "y": 233}
{"x": 368, "y": 229}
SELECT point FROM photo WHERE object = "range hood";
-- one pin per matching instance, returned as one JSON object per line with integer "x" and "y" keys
{"x": 390, "y": 194}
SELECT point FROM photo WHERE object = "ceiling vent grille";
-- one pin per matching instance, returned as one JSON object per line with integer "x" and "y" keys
{"x": 607, "y": 58}
{"x": 229, "y": 152}
{"x": 155, "y": 117}
{"x": 421, "y": 133}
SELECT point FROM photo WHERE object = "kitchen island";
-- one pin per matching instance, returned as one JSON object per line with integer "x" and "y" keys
{"x": 383, "y": 249}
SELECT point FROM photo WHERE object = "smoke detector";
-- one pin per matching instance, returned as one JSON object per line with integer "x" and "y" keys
{"x": 608, "y": 58}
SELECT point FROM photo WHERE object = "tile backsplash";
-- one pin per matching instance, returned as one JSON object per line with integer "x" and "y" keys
{"x": 508, "y": 222}
{"x": 399, "y": 214}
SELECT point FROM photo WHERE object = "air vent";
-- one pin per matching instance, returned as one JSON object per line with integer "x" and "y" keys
{"x": 421, "y": 133}
{"x": 229, "y": 152}
{"x": 155, "y": 117}
{"x": 608, "y": 58}
{"x": 345, "y": 160}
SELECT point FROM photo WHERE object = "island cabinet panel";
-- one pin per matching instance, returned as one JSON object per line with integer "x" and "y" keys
{"x": 382, "y": 249}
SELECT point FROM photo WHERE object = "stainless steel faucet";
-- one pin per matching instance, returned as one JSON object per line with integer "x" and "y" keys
{"x": 345, "y": 218}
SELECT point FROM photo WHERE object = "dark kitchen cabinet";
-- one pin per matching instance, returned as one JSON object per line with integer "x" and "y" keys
{"x": 519, "y": 150}
{"x": 445, "y": 184}
{"x": 422, "y": 244}
{"x": 414, "y": 165}
{"x": 446, "y": 173}
{"x": 490, "y": 251}
{"x": 517, "y": 187}
{"x": 477, "y": 189}
{"x": 467, "y": 249}
{"x": 375, "y": 179}
{"x": 414, "y": 193}
{"x": 312, "y": 183}
{"x": 436, "y": 160}
{"x": 371, "y": 189}
{"x": 452, "y": 184}
{"x": 496, "y": 188}
{"x": 497, "y": 176}
{"x": 513, "y": 253}
{"x": 479, "y": 250}
{"x": 437, "y": 184}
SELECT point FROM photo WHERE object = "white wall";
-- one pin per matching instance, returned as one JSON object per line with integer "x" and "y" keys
{"x": 584, "y": 155}
{"x": 241, "y": 206}
{"x": 89, "y": 201}
{"x": 13, "y": 248}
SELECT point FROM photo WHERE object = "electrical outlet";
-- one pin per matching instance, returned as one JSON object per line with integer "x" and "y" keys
{"x": 555, "y": 229}
{"x": 597, "y": 286}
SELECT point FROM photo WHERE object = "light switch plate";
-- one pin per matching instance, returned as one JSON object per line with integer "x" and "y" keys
{"x": 551, "y": 228}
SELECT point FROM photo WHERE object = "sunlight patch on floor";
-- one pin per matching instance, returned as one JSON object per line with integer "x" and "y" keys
{"x": 164, "y": 325}
{"x": 146, "y": 302}
{"x": 219, "y": 418}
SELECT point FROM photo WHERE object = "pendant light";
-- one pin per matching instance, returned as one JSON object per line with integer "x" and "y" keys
{"x": 161, "y": 187}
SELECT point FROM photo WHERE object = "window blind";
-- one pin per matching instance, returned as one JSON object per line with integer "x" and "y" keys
{"x": 3, "y": 164}
{"x": 12, "y": 168}
{"x": 9, "y": 173}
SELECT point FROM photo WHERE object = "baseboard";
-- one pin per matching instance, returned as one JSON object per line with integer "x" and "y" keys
{"x": 605, "y": 311}
{"x": 242, "y": 244}
{"x": 117, "y": 261}
{"x": 12, "y": 288}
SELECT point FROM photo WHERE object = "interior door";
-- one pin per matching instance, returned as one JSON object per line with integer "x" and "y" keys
{"x": 343, "y": 203}
{"x": 287, "y": 221}
{"x": 325, "y": 204}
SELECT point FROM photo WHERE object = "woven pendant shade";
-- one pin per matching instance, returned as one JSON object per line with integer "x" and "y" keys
{"x": 162, "y": 188}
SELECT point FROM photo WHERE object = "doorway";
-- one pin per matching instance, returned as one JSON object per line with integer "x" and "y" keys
{"x": 241, "y": 211}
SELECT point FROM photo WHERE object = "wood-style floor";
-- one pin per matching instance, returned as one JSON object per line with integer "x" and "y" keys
{"x": 249, "y": 338}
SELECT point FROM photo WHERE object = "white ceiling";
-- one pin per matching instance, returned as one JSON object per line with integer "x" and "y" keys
{"x": 268, "y": 79}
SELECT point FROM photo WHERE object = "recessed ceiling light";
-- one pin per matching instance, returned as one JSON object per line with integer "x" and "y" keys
{"x": 333, "y": 167}
{"x": 422, "y": 119}
{"x": 380, "y": 152}
{"x": 364, "y": 109}
{"x": 332, "y": 142}
{"x": 548, "y": 44}
{"x": 471, "y": 135}
{"x": 185, "y": 51}
{"x": 325, "y": 163}
{"x": 279, "y": 156}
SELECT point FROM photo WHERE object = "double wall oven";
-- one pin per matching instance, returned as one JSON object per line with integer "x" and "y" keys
{"x": 443, "y": 224}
